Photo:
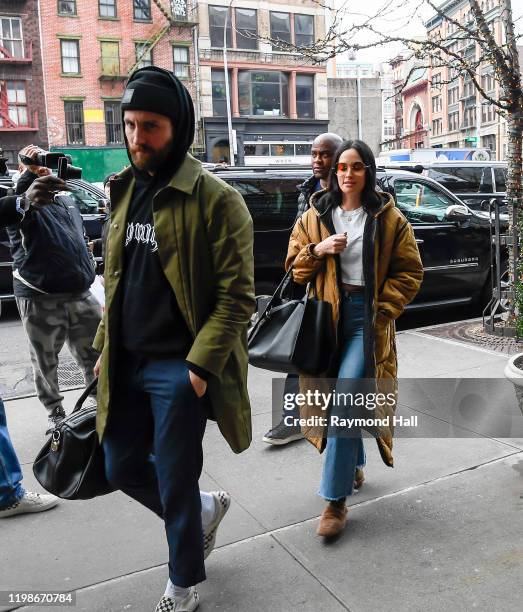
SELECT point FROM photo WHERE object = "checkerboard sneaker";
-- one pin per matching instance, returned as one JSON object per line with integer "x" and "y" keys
{"x": 30, "y": 502}
{"x": 187, "y": 604}
{"x": 222, "y": 501}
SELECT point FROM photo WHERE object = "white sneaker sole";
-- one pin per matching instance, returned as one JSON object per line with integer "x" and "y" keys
{"x": 223, "y": 501}
{"x": 282, "y": 441}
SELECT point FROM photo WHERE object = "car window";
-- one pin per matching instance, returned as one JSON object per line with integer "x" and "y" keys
{"x": 86, "y": 202}
{"x": 272, "y": 202}
{"x": 421, "y": 203}
{"x": 500, "y": 176}
{"x": 464, "y": 180}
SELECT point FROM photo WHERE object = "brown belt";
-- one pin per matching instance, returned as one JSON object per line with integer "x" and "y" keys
{"x": 352, "y": 288}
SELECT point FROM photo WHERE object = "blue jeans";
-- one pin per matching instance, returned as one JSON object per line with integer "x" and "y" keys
{"x": 344, "y": 454}
{"x": 11, "y": 489}
{"x": 153, "y": 451}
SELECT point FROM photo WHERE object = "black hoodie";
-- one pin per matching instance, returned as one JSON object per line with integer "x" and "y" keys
{"x": 152, "y": 324}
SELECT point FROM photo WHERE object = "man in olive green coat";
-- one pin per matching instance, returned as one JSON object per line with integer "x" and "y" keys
{"x": 179, "y": 281}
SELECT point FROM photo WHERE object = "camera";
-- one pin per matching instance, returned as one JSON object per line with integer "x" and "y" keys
{"x": 55, "y": 161}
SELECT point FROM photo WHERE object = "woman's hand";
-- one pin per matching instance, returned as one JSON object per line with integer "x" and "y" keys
{"x": 331, "y": 246}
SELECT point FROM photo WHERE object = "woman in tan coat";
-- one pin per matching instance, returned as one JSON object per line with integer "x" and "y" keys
{"x": 362, "y": 255}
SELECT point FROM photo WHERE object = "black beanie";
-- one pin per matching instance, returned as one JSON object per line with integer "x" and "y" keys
{"x": 157, "y": 90}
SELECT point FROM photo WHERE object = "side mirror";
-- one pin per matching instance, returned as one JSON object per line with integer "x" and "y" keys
{"x": 457, "y": 212}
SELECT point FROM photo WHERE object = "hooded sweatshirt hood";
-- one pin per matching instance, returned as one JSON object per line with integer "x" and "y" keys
{"x": 157, "y": 90}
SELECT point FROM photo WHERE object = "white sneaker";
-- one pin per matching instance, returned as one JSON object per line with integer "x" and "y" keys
{"x": 222, "y": 501}
{"x": 187, "y": 604}
{"x": 30, "y": 502}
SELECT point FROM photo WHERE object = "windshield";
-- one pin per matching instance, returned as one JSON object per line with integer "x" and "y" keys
{"x": 464, "y": 180}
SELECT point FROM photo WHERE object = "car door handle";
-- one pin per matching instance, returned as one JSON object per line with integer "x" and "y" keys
{"x": 419, "y": 241}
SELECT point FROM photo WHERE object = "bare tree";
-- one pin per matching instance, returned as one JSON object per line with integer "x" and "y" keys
{"x": 350, "y": 31}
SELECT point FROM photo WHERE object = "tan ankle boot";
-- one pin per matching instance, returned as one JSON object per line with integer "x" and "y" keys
{"x": 359, "y": 478}
{"x": 333, "y": 520}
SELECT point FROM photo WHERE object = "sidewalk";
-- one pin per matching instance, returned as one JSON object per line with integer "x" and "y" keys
{"x": 442, "y": 530}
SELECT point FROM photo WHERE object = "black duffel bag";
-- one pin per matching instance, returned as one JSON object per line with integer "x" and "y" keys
{"x": 71, "y": 463}
{"x": 294, "y": 336}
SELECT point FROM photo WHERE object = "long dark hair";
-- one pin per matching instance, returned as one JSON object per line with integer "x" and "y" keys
{"x": 369, "y": 196}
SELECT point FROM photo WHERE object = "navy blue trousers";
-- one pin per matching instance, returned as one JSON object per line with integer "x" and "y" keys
{"x": 153, "y": 450}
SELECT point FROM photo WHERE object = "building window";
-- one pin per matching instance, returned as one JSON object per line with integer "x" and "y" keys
{"x": 110, "y": 58}
{"x": 246, "y": 28}
{"x": 488, "y": 114}
{"x": 436, "y": 80}
{"x": 263, "y": 93}
{"x": 305, "y": 96}
{"x": 107, "y": 8}
{"x": 436, "y": 127}
{"x": 488, "y": 82}
{"x": 453, "y": 121}
{"x": 469, "y": 90}
{"x": 436, "y": 104}
{"x": 217, "y": 18}
{"x": 74, "y": 122}
{"x": 143, "y": 54}
{"x": 453, "y": 95}
{"x": 13, "y": 99}
{"x": 113, "y": 122}
{"x": 469, "y": 117}
{"x": 67, "y": 7}
{"x": 11, "y": 37}
{"x": 303, "y": 30}
{"x": 489, "y": 142}
{"x": 142, "y": 10}
{"x": 181, "y": 62}
{"x": 70, "y": 50}
{"x": 219, "y": 102}
{"x": 281, "y": 27}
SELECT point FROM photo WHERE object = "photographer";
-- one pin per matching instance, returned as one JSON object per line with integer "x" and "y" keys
{"x": 52, "y": 272}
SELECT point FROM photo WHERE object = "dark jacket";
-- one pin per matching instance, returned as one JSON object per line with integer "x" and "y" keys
{"x": 393, "y": 273}
{"x": 48, "y": 246}
{"x": 306, "y": 189}
{"x": 8, "y": 212}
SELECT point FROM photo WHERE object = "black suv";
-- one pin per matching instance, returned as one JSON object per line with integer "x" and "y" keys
{"x": 453, "y": 240}
{"x": 474, "y": 182}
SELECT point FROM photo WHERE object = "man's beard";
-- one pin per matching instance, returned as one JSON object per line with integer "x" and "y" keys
{"x": 155, "y": 157}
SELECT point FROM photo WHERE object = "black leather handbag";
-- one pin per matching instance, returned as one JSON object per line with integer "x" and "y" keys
{"x": 294, "y": 336}
{"x": 71, "y": 463}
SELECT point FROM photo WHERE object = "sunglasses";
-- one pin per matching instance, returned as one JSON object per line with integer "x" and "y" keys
{"x": 342, "y": 168}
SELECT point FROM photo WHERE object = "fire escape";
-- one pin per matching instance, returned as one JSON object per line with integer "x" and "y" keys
{"x": 179, "y": 14}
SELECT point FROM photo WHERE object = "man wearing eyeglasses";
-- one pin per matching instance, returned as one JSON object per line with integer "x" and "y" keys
{"x": 322, "y": 155}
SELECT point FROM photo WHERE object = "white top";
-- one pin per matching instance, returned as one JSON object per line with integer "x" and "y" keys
{"x": 352, "y": 222}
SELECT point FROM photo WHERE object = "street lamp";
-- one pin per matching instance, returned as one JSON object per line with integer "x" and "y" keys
{"x": 227, "y": 93}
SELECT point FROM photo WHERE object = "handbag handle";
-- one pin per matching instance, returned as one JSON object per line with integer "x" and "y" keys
{"x": 87, "y": 391}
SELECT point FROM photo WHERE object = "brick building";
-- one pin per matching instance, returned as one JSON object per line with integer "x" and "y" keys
{"x": 458, "y": 115}
{"x": 22, "y": 108}
{"x": 410, "y": 82}
{"x": 92, "y": 46}
{"x": 278, "y": 99}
